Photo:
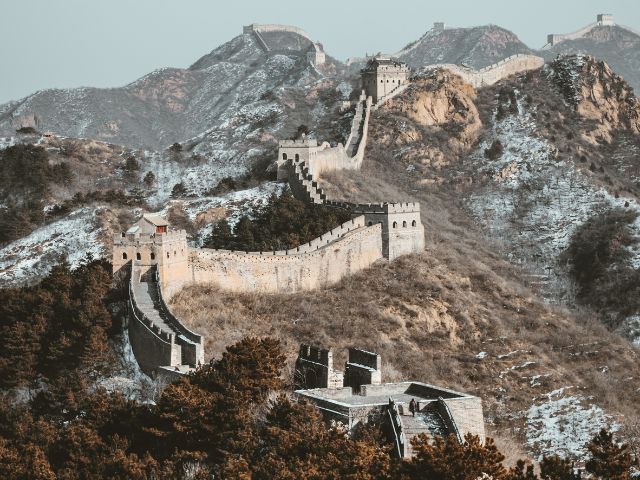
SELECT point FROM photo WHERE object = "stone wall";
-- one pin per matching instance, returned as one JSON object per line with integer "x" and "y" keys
{"x": 320, "y": 158}
{"x": 151, "y": 345}
{"x": 602, "y": 20}
{"x": 362, "y": 368}
{"x": 274, "y": 27}
{"x": 494, "y": 73}
{"x": 319, "y": 263}
{"x": 467, "y": 415}
{"x": 314, "y": 369}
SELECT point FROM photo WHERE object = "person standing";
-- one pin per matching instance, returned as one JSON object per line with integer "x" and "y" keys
{"x": 412, "y": 407}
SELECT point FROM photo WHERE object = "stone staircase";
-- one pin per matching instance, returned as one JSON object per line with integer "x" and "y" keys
{"x": 304, "y": 185}
{"x": 429, "y": 422}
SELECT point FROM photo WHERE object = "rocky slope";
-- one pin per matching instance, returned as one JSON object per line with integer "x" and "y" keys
{"x": 617, "y": 46}
{"x": 476, "y": 47}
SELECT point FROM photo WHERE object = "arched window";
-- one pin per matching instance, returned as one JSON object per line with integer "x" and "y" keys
{"x": 381, "y": 81}
{"x": 370, "y": 223}
{"x": 284, "y": 156}
{"x": 138, "y": 256}
{"x": 124, "y": 255}
{"x": 404, "y": 224}
{"x": 395, "y": 224}
{"x": 413, "y": 224}
{"x": 153, "y": 256}
{"x": 168, "y": 254}
{"x": 297, "y": 157}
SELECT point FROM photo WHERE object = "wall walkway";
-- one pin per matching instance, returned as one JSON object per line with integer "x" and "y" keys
{"x": 157, "y": 337}
{"x": 494, "y": 73}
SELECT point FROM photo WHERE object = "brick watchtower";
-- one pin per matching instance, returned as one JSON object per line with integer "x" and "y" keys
{"x": 383, "y": 75}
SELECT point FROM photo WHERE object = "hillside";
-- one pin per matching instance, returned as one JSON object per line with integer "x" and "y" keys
{"x": 617, "y": 46}
{"x": 473, "y": 312}
{"x": 476, "y": 47}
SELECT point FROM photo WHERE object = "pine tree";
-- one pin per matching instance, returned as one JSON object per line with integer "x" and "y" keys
{"x": 448, "y": 459}
{"x": 556, "y": 468}
{"x": 609, "y": 460}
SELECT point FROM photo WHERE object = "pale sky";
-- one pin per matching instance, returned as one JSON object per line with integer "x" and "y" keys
{"x": 109, "y": 43}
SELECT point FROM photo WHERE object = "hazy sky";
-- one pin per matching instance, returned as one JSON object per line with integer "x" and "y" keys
{"x": 106, "y": 43}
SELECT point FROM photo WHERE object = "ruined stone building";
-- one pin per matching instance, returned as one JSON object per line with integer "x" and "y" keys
{"x": 362, "y": 397}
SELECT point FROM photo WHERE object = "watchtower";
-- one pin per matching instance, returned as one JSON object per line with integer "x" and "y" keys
{"x": 316, "y": 54}
{"x": 383, "y": 75}
{"x": 605, "y": 19}
{"x": 150, "y": 242}
{"x": 439, "y": 26}
{"x": 402, "y": 229}
{"x": 301, "y": 150}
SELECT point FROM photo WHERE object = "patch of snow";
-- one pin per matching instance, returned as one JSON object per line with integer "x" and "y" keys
{"x": 543, "y": 199}
{"x": 481, "y": 355}
{"x": 559, "y": 424}
{"x": 236, "y": 204}
{"x": 535, "y": 379}
{"x": 6, "y": 142}
{"x": 129, "y": 379}
{"x": 73, "y": 238}
{"x": 345, "y": 89}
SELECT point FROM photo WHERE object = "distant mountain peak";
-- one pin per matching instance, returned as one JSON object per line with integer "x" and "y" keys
{"x": 477, "y": 47}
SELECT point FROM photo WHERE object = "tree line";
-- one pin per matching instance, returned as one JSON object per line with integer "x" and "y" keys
{"x": 283, "y": 222}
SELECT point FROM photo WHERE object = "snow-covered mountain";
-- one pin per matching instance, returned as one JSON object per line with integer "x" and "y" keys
{"x": 237, "y": 79}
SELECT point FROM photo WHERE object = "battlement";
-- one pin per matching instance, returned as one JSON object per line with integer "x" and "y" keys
{"x": 274, "y": 27}
{"x": 362, "y": 368}
{"x": 322, "y": 356}
{"x": 301, "y": 142}
{"x": 137, "y": 238}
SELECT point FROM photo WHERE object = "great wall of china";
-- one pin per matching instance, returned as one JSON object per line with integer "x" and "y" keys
{"x": 158, "y": 262}
{"x": 602, "y": 20}
{"x": 315, "y": 55}
{"x": 492, "y": 74}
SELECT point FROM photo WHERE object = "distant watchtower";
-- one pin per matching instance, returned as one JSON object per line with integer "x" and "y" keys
{"x": 383, "y": 75}
{"x": 605, "y": 19}
{"x": 439, "y": 26}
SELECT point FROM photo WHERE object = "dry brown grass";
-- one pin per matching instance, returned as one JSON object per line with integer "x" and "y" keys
{"x": 428, "y": 316}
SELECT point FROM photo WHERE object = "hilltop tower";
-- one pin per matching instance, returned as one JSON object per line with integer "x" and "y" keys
{"x": 383, "y": 75}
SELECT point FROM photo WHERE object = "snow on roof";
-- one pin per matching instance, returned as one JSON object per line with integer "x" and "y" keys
{"x": 155, "y": 220}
